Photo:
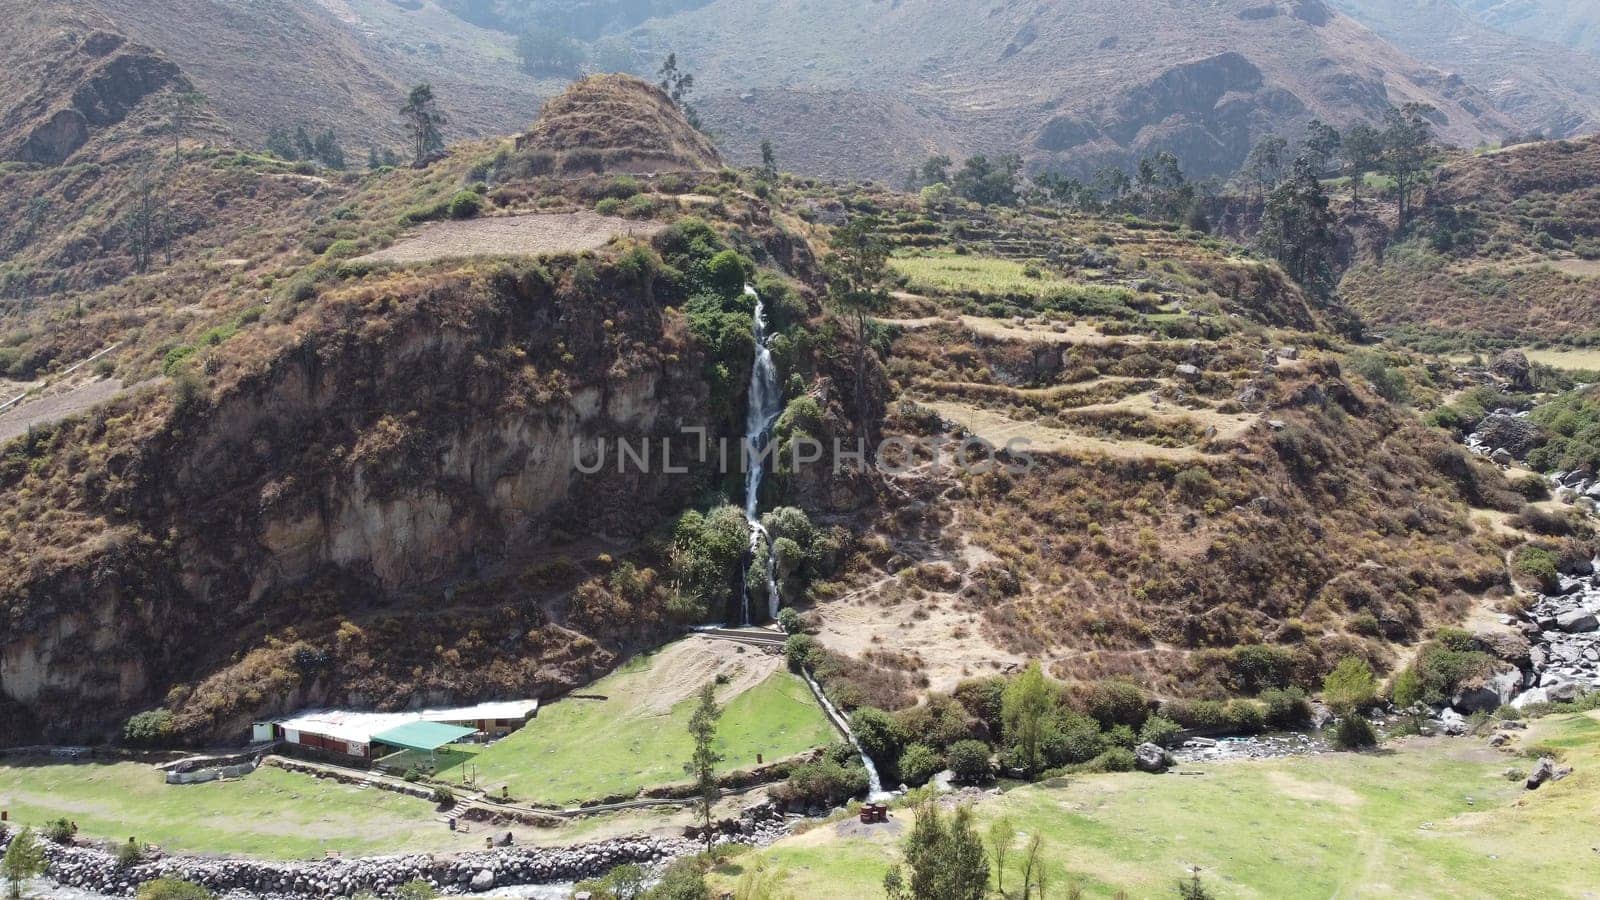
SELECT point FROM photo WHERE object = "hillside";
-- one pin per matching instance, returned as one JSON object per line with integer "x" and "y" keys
{"x": 1574, "y": 23}
{"x": 870, "y": 89}
{"x": 1505, "y": 251}
{"x": 1533, "y": 77}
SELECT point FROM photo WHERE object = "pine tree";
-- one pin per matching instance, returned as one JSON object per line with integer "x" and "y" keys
{"x": 24, "y": 859}
{"x": 1297, "y": 229}
{"x": 769, "y": 161}
{"x": 678, "y": 85}
{"x": 702, "y": 765}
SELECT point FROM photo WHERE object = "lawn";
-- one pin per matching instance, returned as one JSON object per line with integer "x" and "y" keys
{"x": 270, "y": 814}
{"x": 1429, "y": 820}
{"x": 580, "y": 749}
{"x": 1587, "y": 360}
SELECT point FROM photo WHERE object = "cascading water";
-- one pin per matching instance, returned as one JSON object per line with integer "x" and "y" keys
{"x": 766, "y": 403}
{"x": 875, "y": 789}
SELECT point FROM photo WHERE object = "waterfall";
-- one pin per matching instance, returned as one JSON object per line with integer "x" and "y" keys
{"x": 875, "y": 791}
{"x": 765, "y": 405}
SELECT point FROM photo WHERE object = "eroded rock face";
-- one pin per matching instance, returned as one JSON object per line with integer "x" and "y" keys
{"x": 1202, "y": 111}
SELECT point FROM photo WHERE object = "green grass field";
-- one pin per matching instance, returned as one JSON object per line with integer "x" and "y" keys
{"x": 1431, "y": 820}
{"x": 271, "y": 814}
{"x": 948, "y": 273}
{"x": 580, "y": 750}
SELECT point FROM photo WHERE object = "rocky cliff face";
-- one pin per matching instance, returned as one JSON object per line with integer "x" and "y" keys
{"x": 79, "y": 85}
{"x": 382, "y": 456}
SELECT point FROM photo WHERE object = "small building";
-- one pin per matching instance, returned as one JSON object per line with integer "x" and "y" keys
{"x": 348, "y": 737}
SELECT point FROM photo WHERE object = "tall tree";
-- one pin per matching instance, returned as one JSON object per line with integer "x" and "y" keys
{"x": 1321, "y": 146}
{"x": 1002, "y": 834}
{"x": 936, "y": 169}
{"x": 183, "y": 108}
{"x": 423, "y": 120}
{"x": 146, "y": 225}
{"x": 1407, "y": 143}
{"x": 769, "y": 161}
{"x": 678, "y": 85}
{"x": 702, "y": 764}
{"x": 24, "y": 860}
{"x": 1027, "y": 709}
{"x": 1297, "y": 229}
{"x": 1266, "y": 164}
{"x": 1363, "y": 149}
{"x": 857, "y": 270}
{"x": 989, "y": 181}
{"x": 946, "y": 859}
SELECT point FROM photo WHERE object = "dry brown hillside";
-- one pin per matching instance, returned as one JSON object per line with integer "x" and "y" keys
{"x": 871, "y": 88}
{"x": 631, "y": 125}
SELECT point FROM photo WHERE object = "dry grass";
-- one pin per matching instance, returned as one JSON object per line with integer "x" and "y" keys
{"x": 528, "y": 235}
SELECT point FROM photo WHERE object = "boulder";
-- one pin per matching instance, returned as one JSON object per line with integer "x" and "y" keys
{"x": 1514, "y": 434}
{"x": 1546, "y": 770}
{"x": 1578, "y": 621}
{"x": 1188, "y": 372}
{"x": 1452, "y": 722}
{"x": 1149, "y": 757}
{"x": 1530, "y": 697}
{"x": 1514, "y": 367}
{"x": 1486, "y": 694}
{"x": 1502, "y": 457}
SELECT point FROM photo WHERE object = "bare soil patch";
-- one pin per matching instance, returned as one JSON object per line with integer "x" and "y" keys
{"x": 529, "y": 235}
{"x": 55, "y": 405}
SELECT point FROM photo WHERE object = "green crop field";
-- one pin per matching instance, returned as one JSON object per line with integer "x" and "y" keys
{"x": 587, "y": 749}
{"x": 1432, "y": 819}
{"x": 270, "y": 814}
{"x": 948, "y": 273}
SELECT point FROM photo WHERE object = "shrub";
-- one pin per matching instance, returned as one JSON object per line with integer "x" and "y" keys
{"x": 342, "y": 249}
{"x": 1118, "y": 703}
{"x": 919, "y": 763}
{"x": 824, "y": 782}
{"x": 1203, "y": 715}
{"x": 148, "y": 729}
{"x": 609, "y": 206}
{"x": 1350, "y": 686}
{"x": 415, "y": 890}
{"x": 1117, "y": 759}
{"x": 879, "y": 734}
{"x": 800, "y": 650}
{"x": 969, "y": 761}
{"x": 465, "y": 205}
{"x": 1075, "y": 739}
{"x": 1246, "y": 717}
{"x": 443, "y": 796}
{"x": 60, "y": 831}
{"x": 1355, "y": 733}
{"x": 173, "y": 889}
{"x": 129, "y": 854}
{"x": 1538, "y": 564}
{"x": 1258, "y": 666}
{"x": 1161, "y": 731}
{"x": 1286, "y": 707}
{"x": 789, "y": 620}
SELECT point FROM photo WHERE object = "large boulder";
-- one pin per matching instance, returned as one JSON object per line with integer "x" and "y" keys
{"x": 1514, "y": 367}
{"x": 1150, "y": 757}
{"x": 1486, "y": 693}
{"x": 1513, "y": 434}
{"x": 1546, "y": 770}
{"x": 1578, "y": 621}
{"x": 483, "y": 881}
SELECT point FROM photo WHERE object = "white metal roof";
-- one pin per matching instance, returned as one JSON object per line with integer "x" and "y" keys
{"x": 359, "y": 727}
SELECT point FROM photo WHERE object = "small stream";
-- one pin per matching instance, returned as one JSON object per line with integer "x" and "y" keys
{"x": 875, "y": 791}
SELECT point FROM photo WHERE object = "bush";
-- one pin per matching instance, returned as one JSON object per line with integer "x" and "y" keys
{"x": 969, "y": 760}
{"x": 148, "y": 729}
{"x": 1161, "y": 731}
{"x": 1117, "y": 759}
{"x": 879, "y": 734}
{"x": 129, "y": 854}
{"x": 443, "y": 796}
{"x": 800, "y": 650}
{"x": 1245, "y": 717}
{"x": 60, "y": 831}
{"x": 465, "y": 205}
{"x": 1118, "y": 703}
{"x": 1257, "y": 666}
{"x": 1355, "y": 733}
{"x": 789, "y": 620}
{"x": 918, "y": 764}
{"x": 1350, "y": 687}
{"x": 1286, "y": 708}
{"x": 1538, "y": 564}
{"x": 609, "y": 206}
{"x": 824, "y": 782}
{"x": 415, "y": 890}
{"x": 173, "y": 889}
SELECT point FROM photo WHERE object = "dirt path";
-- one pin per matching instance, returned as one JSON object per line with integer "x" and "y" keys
{"x": 529, "y": 235}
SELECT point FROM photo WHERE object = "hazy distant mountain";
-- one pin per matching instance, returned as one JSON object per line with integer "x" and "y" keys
{"x": 1547, "y": 86}
{"x": 1573, "y": 23}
